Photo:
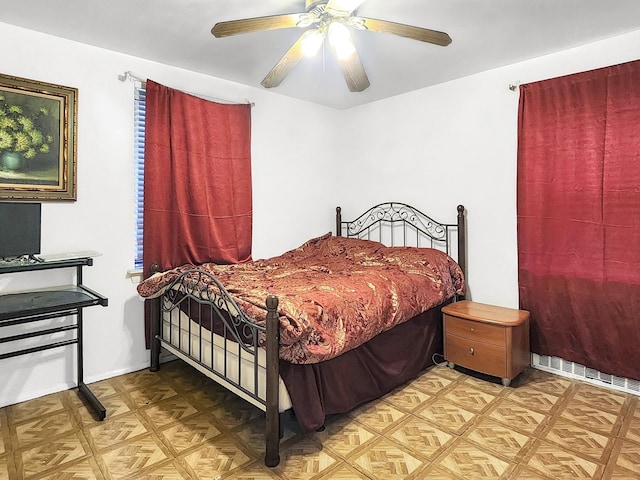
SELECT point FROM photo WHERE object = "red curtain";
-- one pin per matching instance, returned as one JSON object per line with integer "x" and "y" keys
{"x": 197, "y": 180}
{"x": 579, "y": 217}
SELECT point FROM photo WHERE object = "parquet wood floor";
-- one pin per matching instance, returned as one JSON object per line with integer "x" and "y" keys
{"x": 177, "y": 425}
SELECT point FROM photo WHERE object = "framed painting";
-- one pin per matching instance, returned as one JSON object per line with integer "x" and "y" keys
{"x": 37, "y": 140}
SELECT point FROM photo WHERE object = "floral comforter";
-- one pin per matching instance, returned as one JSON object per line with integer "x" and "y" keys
{"x": 335, "y": 293}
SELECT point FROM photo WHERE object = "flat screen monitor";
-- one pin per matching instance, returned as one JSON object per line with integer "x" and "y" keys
{"x": 19, "y": 229}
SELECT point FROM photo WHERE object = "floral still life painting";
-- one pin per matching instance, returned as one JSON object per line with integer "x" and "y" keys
{"x": 37, "y": 140}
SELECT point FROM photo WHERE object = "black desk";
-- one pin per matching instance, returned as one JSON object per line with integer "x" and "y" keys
{"x": 59, "y": 301}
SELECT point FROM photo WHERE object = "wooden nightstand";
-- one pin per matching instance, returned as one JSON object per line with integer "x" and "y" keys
{"x": 488, "y": 339}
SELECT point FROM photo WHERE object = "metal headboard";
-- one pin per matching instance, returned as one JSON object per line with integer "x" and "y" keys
{"x": 399, "y": 224}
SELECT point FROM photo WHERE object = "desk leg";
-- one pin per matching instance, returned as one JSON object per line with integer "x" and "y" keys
{"x": 94, "y": 403}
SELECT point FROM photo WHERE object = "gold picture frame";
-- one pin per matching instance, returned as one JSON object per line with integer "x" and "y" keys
{"x": 37, "y": 140}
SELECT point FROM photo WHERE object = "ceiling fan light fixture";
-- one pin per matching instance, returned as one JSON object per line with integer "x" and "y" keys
{"x": 312, "y": 41}
{"x": 340, "y": 40}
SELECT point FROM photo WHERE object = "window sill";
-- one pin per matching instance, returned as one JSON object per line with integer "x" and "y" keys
{"x": 134, "y": 275}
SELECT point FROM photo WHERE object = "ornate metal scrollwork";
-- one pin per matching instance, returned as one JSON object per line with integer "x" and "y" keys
{"x": 205, "y": 289}
{"x": 392, "y": 213}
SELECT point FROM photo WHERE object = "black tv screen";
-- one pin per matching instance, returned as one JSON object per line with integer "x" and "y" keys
{"x": 19, "y": 229}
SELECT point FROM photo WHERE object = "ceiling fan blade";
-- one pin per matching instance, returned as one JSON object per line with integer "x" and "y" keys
{"x": 342, "y": 8}
{"x": 352, "y": 70}
{"x": 286, "y": 63}
{"x": 408, "y": 31}
{"x": 257, "y": 24}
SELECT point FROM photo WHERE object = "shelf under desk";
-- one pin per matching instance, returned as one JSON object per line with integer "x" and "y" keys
{"x": 38, "y": 302}
{"x": 32, "y": 306}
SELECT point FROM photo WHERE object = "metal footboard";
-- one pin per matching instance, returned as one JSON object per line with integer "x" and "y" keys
{"x": 196, "y": 306}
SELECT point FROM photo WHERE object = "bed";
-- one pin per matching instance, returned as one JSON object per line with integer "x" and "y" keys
{"x": 339, "y": 321}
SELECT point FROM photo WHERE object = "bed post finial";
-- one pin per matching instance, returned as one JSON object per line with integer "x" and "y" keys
{"x": 338, "y": 221}
{"x": 462, "y": 241}
{"x": 272, "y": 432}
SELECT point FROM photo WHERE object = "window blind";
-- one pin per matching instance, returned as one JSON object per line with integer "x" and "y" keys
{"x": 138, "y": 152}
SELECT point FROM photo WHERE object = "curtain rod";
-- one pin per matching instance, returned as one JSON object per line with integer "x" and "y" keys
{"x": 514, "y": 86}
{"x": 128, "y": 75}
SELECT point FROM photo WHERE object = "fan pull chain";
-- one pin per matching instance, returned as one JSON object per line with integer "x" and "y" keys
{"x": 324, "y": 44}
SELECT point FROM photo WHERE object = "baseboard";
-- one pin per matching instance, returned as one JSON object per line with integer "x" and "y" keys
{"x": 574, "y": 370}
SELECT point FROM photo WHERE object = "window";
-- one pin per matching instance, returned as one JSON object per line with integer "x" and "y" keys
{"x": 139, "y": 116}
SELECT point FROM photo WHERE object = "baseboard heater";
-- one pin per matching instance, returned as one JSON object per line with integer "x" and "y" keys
{"x": 565, "y": 368}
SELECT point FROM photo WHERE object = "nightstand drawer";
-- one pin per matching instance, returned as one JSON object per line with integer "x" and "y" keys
{"x": 483, "y": 332}
{"x": 478, "y": 356}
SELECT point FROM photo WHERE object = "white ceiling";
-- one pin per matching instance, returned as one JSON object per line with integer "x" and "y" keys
{"x": 486, "y": 34}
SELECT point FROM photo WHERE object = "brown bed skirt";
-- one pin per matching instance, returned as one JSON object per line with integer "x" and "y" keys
{"x": 365, "y": 373}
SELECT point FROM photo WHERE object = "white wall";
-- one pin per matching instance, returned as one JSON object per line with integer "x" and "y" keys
{"x": 457, "y": 143}
{"x": 289, "y": 177}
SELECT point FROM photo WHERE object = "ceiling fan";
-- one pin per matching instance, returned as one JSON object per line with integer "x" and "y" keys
{"x": 326, "y": 19}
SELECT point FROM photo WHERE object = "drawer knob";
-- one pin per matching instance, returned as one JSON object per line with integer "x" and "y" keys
{"x": 472, "y": 350}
